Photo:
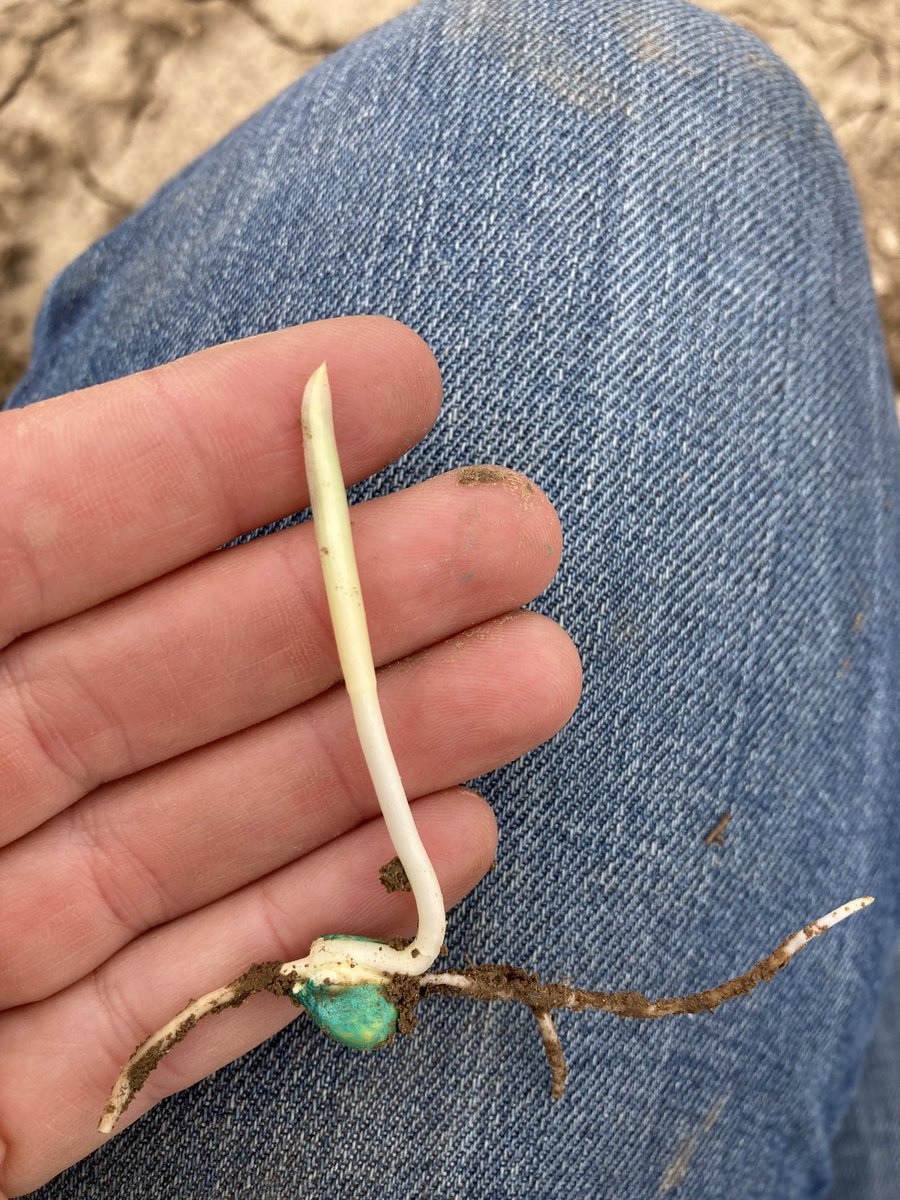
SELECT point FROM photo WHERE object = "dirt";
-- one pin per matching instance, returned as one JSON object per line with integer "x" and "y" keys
{"x": 511, "y": 480}
{"x": 716, "y": 835}
{"x": 406, "y": 994}
{"x": 393, "y": 877}
{"x": 102, "y": 101}
{"x": 467, "y": 476}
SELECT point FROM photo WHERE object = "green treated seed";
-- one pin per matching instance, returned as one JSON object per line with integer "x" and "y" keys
{"x": 359, "y": 1016}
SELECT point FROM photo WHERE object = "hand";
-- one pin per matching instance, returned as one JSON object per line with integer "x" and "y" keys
{"x": 182, "y": 789}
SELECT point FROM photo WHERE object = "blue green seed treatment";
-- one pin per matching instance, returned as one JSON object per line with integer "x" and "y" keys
{"x": 358, "y": 1016}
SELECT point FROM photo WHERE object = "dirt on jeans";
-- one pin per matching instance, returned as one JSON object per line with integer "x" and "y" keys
{"x": 101, "y": 101}
{"x": 716, "y": 835}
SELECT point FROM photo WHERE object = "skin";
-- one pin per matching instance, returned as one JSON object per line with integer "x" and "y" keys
{"x": 182, "y": 790}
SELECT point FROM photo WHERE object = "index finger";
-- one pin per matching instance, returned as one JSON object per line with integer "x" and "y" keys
{"x": 115, "y": 485}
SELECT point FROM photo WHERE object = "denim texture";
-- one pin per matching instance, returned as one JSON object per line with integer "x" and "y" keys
{"x": 866, "y": 1153}
{"x": 625, "y": 230}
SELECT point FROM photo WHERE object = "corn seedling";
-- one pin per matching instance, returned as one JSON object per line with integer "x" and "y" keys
{"x": 362, "y": 992}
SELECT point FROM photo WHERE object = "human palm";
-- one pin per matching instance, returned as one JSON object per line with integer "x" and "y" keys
{"x": 182, "y": 789}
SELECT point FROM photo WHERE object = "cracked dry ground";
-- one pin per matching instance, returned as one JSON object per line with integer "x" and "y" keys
{"x": 102, "y": 100}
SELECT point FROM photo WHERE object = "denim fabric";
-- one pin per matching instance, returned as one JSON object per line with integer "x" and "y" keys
{"x": 626, "y": 232}
{"x": 866, "y": 1151}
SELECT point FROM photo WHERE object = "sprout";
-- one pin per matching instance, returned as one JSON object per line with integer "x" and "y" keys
{"x": 363, "y": 992}
{"x": 331, "y": 517}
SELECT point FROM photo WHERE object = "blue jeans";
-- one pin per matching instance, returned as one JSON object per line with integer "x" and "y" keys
{"x": 626, "y": 232}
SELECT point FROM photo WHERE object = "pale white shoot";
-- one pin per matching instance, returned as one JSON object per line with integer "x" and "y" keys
{"x": 341, "y": 958}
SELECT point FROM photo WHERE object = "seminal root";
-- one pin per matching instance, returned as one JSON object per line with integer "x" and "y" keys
{"x": 486, "y": 982}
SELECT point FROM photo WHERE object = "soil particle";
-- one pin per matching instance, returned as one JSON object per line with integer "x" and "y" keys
{"x": 511, "y": 480}
{"x": 404, "y": 992}
{"x": 393, "y": 876}
{"x": 717, "y": 834}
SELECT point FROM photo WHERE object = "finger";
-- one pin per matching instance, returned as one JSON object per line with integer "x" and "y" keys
{"x": 243, "y": 635}
{"x": 115, "y": 485}
{"x": 72, "y": 1046}
{"x": 156, "y": 846}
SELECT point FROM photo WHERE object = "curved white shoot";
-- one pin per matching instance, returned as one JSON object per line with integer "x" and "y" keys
{"x": 331, "y": 518}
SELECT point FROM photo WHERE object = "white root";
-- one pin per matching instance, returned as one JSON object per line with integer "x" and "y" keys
{"x": 556, "y": 1059}
{"x": 153, "y": 1048}
{"x": 805, "y": 935}
{"x": 520, "y": 987}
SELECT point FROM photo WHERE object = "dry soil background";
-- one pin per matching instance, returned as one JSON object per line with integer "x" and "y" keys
{"x": 102, "y": 100}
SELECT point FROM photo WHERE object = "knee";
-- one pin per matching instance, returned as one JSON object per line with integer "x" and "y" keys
{"x": 656, "y": 77}
{"x": 679, "y": 146}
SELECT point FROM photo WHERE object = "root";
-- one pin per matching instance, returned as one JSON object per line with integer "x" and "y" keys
{"x": 261, "y": 977}
{"x": 493, "y": 981}
{"x": 500, "y": 981}
{"x": 556, "y": 1059}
